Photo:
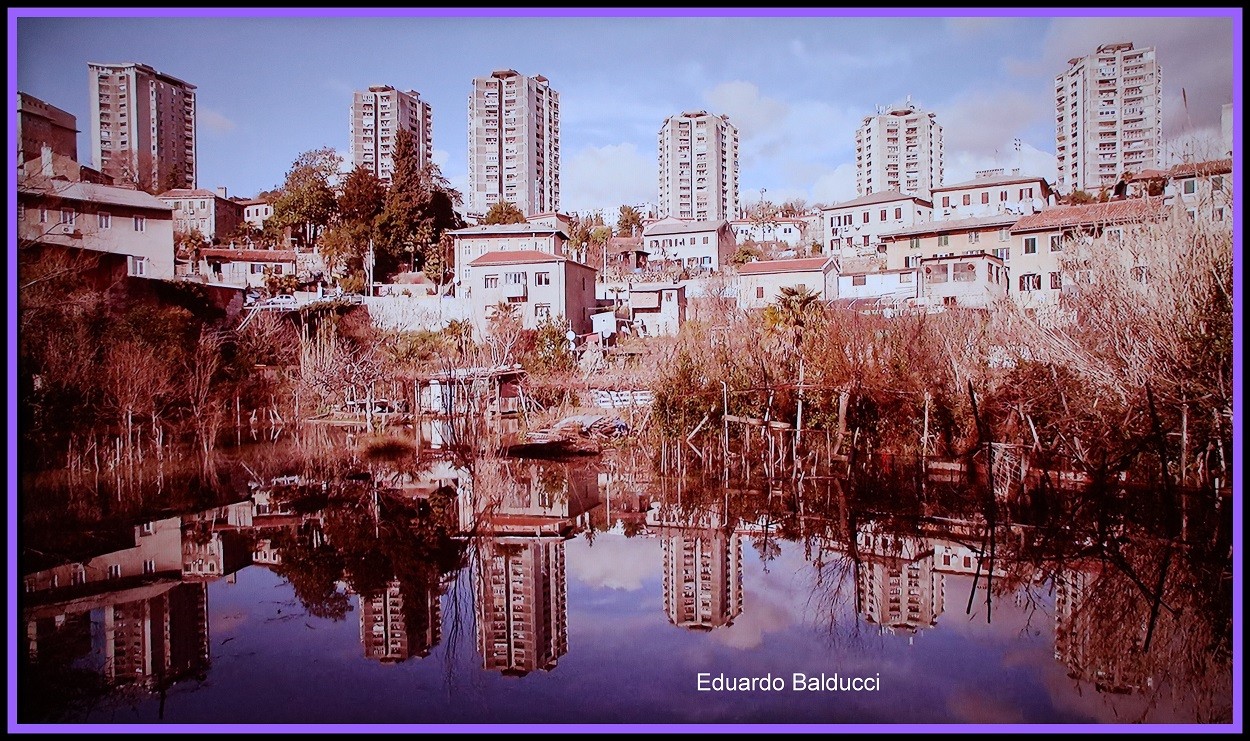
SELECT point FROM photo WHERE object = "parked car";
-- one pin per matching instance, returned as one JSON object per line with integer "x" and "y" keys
{"x": 281, "y": 301}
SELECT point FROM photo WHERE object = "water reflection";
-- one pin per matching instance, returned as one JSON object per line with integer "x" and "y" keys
{"x": 1092, "y": 605}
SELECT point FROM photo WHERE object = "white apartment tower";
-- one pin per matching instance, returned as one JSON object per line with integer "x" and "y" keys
{"x": 142, "y": 126}
{"x": 514, "y": 143}
{"x": 378, "y": 114}
{"x": 1108, "y": 117}
{"x": 899, "y": 148}
{"x": 698, "y": 155}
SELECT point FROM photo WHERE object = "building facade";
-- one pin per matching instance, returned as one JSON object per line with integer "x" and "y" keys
{"x": 538, "y": 285}
{"x": 702, "y": 246}
{"x": 377, "y": 116}
{"x": 698, "y": 167}
{"x": 899, "y": 148}
{"x": 760, "y": 283}
{"x": 41, "y": 124}
{"x": 1108, "y": 117}
{"x": 212, "y": 214}
{"x": 142, "y": 126}
{"x": 475, "y": 241}
{"x": 856, "y": 227}
{"x": 991, "y": 193}
{"x": 514, "y": 143}
{"x": 128, "y": 231}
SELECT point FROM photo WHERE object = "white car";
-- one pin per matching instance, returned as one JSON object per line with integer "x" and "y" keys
{"x": 281, "y": 301}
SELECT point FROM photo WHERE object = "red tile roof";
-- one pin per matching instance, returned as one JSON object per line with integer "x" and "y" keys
{"x": 1212, "y": 167}
{"x": 783, "y": 266}
{"x": 248, "y": 255}
{"x": 508, "y": 257}
{"x": 1111, "y": 212}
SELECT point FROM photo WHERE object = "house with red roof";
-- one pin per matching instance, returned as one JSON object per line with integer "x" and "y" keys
{"x": 760, "y": 282}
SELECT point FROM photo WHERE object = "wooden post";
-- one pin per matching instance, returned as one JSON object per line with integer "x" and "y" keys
{"x": 1184, "y": 440}
{"x": 924, "y": 439}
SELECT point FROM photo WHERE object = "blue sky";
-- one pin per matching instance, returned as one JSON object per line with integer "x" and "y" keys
{"x": 270, "y": 87}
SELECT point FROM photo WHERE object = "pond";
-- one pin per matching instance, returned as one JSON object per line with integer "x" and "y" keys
{"x": 308, "y": 584}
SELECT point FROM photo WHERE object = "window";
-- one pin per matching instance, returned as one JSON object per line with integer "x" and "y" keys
{"x": 492, "y": 281}
{"x": 905, "y": 277}
{"x": 1056, "y": 244}
{"x": 1002, "y": 196}
{"x": 707, "y": 260}
{"x": 985, "y": 197}
{"x": 43, "y": 215}
{"x": 149, "y": 566}
{"x": 104, "y": 220}
{"x": 1189, "y": 187}
{"x": 974, "y": 237}
{"x": 1003, "y": 253}
{"x": 705, "y": 240}
{"x": 1030, "y": 245}
{"x": 865, "y": 217}
{"x": 911, "y": 261}
{"x": 77, "y": 574}
{"x": 944, "y": 240}
{"x": 115, "y": 571}
{"x": 141, "y": 223}
{"x": 256, "y": 268}
{"x": 965, "y": 272}
{"x": 542, "y": 311}
{"x": 883, "y": 213}
{"x": 950, "y": 301}
{"x": 137, "y": 265}
{"x": 277, "y": 269}
{"x": 542, "y": 279}
{"x": 937, "y": 273}
{"x": 1056, "y": 281}
{"x": 1192, "y": 213}
{"x": 1140, "y": 274}
{"x": 859, "y": 280}
{"x": 1031, "y": 282}
{"x": 516, "y": 299}
{"x": 68, "y": 216}
{"x": 898, "y": 213}
{"x": 759, "y": 291}
{"x": 1218, "y": 214}
{"x": 514, "y": 279}
{"x": 946, "y": 201}
{"x": 1217, "y": 182}
{"x": 1004, "y": 234}
{"x": 914, "y": 243}
{"x": 967, "y": 199}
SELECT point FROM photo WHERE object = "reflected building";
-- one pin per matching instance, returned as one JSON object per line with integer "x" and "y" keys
{"x": 522, "y": 604}
{"x": 148, "y": 635}
{"x": 897, "y": 584}
{"x": 529, "y": 498}
{"x": 398, "y": 623}
{"x": 702, "y": 568}
{"x": 1096, "y": 637}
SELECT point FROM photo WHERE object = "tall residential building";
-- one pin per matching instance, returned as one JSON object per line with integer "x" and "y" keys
{"x": 1108, "y": 117}
{"x": 522, "y": 604}
{"x": 378, "y": 114}
{"x": 899, "y": 148}
{"x": 514, "y": 143}
{"x": 698, "y": 157}
{"x": 142, "y": 126}
{"x": 41, "y": 124}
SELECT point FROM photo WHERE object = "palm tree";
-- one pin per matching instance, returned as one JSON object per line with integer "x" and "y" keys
{"x": 795, "y": 306}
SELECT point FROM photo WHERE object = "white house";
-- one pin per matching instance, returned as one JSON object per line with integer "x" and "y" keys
{"x": 475, "y": 241}
{"x": 700, "y": 246}
{"x": 968, "y": 281}
{"x": 856, "y": 227}
{"x": 760, "y": 282}
{"x": 657, "y": 308}
{"x": 131, "y": 231}
{"x": 540, "y": 285}
{"x": 778, "y": 230}
{"x": 991, "y": 194}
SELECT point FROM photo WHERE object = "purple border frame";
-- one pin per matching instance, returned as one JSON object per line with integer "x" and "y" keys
{"x": 11, "y": 306}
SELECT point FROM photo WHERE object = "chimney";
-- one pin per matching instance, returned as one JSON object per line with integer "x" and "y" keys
{"x": 221, "y": 191}
{"x": 45, "y": 160}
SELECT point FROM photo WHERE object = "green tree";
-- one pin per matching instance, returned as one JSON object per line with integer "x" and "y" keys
{"x": 504, "y": 213}
{"x": 629, "y": 223}
{"x": 420, "y": 207}
{"x": 307, "y": 202}
{"x": 188, "y": 243}
{"x": 363, "y": 197}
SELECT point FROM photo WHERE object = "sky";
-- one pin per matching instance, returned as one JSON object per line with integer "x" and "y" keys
{"x": 796, "y": 84}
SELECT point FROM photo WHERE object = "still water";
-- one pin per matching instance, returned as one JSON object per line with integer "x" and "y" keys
{"x": 415, "y": 589}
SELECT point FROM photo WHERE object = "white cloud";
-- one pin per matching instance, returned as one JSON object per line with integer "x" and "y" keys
{"x": 603, "y": 178}
{"x": 617, "y": 562}
{"x": 982, "y": 122}
{"x": 216, "y": 122}
{"x": 963, "y": 166}
{"x": 753, "y": 114}
{"x": 835, "y": 186}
